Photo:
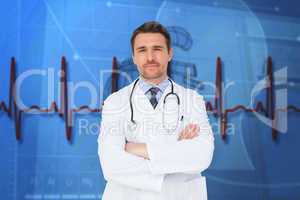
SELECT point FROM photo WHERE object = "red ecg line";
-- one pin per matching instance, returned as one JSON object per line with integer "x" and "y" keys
{"x": 66, "y": 113}
{"x": 217, "y": 108}
{"x": 269, "y": 111}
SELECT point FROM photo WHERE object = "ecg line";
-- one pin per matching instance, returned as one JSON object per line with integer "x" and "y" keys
{"x": 66, "y": 113}
{"x": 63, "y": 111}
{"x": 217, "y": 109}
{"x": 269, "y": 111}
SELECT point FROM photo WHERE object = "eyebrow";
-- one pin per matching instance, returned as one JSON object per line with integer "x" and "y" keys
{"x": 155, "y": 47}
{"x": 140, "y": 48}
{"x": 158, "y": 47}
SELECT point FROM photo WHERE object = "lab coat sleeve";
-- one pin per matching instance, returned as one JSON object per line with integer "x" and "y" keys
{"x": 118, "y": 165}
{"x": 185, "y": 156}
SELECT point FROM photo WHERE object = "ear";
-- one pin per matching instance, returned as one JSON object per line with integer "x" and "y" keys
{"x": 133, "y": 58}
{"x": 170, "y": 54}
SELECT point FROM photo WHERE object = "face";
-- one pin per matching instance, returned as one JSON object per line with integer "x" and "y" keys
{"x": 151, "y": 56}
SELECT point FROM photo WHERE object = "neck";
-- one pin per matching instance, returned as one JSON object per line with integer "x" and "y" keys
{"x": 154, "y": 81}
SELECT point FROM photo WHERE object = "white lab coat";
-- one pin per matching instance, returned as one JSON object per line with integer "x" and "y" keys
{"x": 173, "y": 171}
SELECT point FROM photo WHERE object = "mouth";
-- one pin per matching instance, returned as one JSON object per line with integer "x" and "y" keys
{"x": 151, "y": 65}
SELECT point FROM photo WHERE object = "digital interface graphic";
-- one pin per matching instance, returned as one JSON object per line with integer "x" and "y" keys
{"x": 61, "y": 59}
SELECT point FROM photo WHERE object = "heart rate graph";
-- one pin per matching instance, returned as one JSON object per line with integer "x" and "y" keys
{"x": 268, "y": 110}
{"x": 15, "y": 113}
{"x": 66, "y": 113}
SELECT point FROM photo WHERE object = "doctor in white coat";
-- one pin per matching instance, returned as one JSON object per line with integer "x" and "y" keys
{"x": 155, "y": 137}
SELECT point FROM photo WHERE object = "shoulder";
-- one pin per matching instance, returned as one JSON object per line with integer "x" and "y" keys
{"x": 118, "y": 99}
{"x": 192, "y": 101}
{"x": 187, "y": 92}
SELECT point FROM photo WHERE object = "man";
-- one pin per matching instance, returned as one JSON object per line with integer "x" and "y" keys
{"x": 155, "y": 137}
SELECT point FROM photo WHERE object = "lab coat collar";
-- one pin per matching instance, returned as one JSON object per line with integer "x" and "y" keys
{"x": 142, "y": 100}
{"x": 145, "y": 86}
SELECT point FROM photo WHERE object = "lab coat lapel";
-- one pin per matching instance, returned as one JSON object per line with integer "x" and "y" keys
{"x": 170, "y": 111}
{"x": 159, "y": 106}
{"x": 141, "y": 102}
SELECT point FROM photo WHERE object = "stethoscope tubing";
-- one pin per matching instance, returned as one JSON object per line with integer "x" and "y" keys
{"x": 164, "y": 101}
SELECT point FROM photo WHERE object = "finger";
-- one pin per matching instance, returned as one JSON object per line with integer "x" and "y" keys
{"x": 192, "y": 131}
{"x": 187, "y": 132}
{"x": 181, "y": 136}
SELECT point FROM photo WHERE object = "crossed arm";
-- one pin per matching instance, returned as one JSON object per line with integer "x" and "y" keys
{"x": 140, "y": 149}
{"x": 144, "y": 165}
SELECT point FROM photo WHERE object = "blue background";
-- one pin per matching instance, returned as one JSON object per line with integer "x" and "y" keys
{"x": 249, "y": 165}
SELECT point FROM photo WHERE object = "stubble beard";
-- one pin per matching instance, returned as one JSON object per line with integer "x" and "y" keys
{"x": 154, "y": 78}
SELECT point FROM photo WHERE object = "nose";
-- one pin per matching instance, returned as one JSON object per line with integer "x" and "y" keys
{"x": 150, "y": 56}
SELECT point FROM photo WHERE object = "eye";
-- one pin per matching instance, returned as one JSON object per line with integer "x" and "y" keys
{"x": 158, "y": 48}
{"x": 142, "y": 50}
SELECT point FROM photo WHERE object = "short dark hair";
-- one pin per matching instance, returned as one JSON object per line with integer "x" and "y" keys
{"x": 151, "y": 27}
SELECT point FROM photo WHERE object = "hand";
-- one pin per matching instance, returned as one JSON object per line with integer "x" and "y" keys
{"x": 189, "y": 132}
{"x": 138, "y": 149}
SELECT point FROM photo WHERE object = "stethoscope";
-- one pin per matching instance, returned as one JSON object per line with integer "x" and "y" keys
{"x": 133, "y": 122}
